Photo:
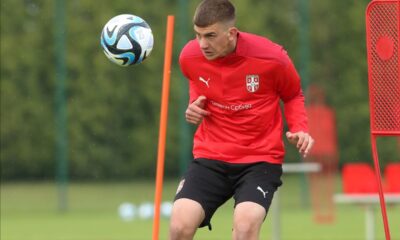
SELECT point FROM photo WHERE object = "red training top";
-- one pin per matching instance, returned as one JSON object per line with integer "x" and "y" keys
{"x": 243, "y": 91}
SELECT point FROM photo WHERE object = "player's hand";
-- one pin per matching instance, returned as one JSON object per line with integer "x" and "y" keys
{"x": 195, "y": 112}
{"x": 302, "y": 140}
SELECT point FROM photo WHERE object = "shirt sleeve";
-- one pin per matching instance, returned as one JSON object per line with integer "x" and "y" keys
{"x": 193, "y": 95}
{"x": 289, "y": 89}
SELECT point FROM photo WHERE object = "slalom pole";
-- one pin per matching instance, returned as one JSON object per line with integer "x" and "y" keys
{"x": 163, "y": 125}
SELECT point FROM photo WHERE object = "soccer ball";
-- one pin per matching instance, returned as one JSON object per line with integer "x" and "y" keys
{"x": 127, "y": 211}
{"x": 127, "y": 39}
{"x": 166, "y": 209}
{"x": 146, "y": 210}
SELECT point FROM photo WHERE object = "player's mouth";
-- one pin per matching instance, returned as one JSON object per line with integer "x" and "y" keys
{"x": 208, "y": 53}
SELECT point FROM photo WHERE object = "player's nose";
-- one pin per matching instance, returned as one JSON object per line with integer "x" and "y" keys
{"x": 203, "y": 43}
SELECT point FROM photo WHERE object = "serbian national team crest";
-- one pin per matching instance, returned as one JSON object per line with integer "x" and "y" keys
{"x": 252, "y": 83}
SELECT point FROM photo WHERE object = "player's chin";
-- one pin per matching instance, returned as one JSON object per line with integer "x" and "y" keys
{"x": 209, "y": 55}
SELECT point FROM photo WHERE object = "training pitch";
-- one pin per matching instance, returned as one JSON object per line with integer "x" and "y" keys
{"x": 29, "y": 212}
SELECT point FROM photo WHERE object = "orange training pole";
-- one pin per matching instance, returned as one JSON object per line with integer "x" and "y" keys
{"x": 163, "y": 126}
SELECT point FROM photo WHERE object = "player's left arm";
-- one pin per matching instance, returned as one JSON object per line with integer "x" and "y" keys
{"x": 289, "y": 89}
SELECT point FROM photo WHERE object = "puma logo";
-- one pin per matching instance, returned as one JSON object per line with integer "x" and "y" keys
{"x": 205, "y": 81}
{"x": 180, "y": 186}
{"x": 263, "y": 192}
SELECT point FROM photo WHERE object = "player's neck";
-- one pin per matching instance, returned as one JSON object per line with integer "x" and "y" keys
{"x": 232, "y": 46}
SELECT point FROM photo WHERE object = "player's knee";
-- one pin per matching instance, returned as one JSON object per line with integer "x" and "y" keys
{"x": 180, "y": 230}
{"x": 245, "y": 230}
{"x": 247, "y": 226}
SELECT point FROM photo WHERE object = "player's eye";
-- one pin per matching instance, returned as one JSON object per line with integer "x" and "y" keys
{"x": 211, "y": 36}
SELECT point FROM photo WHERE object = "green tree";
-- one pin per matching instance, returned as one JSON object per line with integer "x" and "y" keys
{"x": 113, "y": 112}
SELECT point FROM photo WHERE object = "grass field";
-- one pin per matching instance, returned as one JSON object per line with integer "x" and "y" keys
{"x": 29, "y": 212}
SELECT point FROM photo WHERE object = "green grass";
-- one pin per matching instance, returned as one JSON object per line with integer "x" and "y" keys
{"x": 29, "y": 212}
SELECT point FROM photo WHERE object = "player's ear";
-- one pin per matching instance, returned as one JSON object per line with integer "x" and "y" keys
{"x": 232, "y": 33}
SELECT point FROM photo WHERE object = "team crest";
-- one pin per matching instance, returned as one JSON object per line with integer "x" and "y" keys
{"x": 252, "y": 83}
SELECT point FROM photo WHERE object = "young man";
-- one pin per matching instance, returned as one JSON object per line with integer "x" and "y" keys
{"x": 236, "y": 83}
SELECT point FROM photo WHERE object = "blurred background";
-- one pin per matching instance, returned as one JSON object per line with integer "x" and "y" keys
{"x": 79, "y": 134}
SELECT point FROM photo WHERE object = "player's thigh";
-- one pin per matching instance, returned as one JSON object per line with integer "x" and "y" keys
{"x": 186, "y": 213}
{"x": 259, "y": 184}
{"x": 248, "y": 216}
{"x": 205, "y": 183}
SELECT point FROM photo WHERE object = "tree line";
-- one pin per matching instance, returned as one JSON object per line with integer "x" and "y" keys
{"x": 113, "y": 112}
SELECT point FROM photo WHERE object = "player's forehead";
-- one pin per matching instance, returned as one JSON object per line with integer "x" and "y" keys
{"x": 211, "y": 29}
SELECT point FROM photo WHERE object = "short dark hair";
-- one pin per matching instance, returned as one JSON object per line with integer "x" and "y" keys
{"x": 209, "y": 12}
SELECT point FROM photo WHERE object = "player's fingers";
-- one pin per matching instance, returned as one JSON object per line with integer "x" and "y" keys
{"x": 198, "y": 110}
{"x": 306, "y": 138}
{"x": 202, "y": 112}
{"x": 200, "y": 101}
{"x": 191, "y": 114}
{"x": 193, "y": 120}
{"x": 291, "y": 137}
{"x": 304, "y": 145}
{"x": 300, "y": 140}
{"x": 309, "y": 146}
{"x": 195, "y": 114}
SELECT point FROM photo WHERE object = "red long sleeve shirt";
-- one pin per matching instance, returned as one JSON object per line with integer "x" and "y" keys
{"x": 243, "y": 91}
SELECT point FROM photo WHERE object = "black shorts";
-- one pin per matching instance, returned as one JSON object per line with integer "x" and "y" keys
{"x": 211, "y": 183}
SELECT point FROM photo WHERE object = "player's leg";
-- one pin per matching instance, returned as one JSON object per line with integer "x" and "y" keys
{"x": 254, "y": 189}
{"x": 247, "y": 220}
{"x": 202, "y": 190}
{"x": 186, "y": 217}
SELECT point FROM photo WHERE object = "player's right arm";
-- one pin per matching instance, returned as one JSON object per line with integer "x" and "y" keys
{"x": 195, "y": 112}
